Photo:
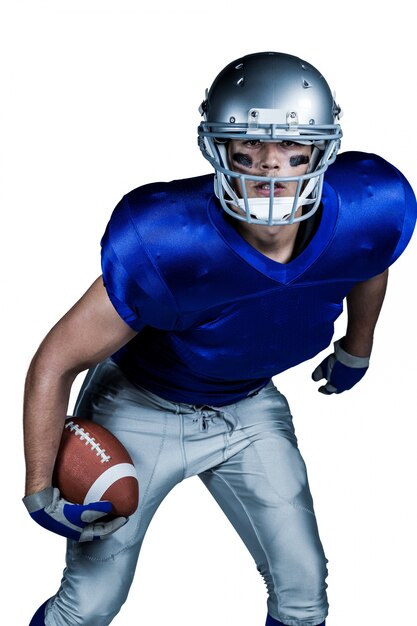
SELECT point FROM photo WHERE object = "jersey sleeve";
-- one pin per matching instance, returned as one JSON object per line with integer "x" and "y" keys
{"x": 409, "y": 216}
{"x": 376, "y": 214}
{"x": 131, "y": 277}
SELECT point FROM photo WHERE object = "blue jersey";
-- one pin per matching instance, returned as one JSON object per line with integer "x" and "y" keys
{"x": 216, "y": 319}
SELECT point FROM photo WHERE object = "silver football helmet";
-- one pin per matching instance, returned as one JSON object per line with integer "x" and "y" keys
{"x": 270, "y": 96}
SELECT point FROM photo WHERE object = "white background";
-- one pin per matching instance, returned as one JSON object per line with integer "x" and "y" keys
{"x": 101, "y": 96}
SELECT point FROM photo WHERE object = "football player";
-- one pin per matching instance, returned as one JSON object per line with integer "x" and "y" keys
{"x": 206, "y": 294}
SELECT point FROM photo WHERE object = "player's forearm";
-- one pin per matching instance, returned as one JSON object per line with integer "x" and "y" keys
{"x": 90, "y": 332}
{"x": 364, "y": 304}
{"x": 45, "y": 407}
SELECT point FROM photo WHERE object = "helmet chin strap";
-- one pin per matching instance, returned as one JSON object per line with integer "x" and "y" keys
{"x": 260, "y": 207}
{"x": 282, "y": 207}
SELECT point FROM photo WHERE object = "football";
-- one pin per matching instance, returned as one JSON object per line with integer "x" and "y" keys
{"x": 92, "y": 465}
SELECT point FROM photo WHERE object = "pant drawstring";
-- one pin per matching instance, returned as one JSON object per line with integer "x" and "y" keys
{"x": 230, "y": 417}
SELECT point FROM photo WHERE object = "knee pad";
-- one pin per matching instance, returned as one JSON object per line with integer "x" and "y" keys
{"x": 38, "y": 618}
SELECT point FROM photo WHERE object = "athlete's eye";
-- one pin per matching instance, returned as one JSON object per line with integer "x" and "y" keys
{"x": 253, "y": 143}
{"x": 288, "y": 144}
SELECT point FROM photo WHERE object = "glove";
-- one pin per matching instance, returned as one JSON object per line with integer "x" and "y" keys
{"x": 74, "y": 521}
{"x": 341, "y": 370}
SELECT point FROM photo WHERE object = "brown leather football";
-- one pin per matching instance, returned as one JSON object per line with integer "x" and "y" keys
{"x": 92, "y": 465}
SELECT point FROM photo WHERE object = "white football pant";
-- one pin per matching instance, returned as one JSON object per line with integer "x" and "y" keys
{"x": 245, "y": 454}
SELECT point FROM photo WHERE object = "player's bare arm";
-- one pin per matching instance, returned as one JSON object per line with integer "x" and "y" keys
{"x": 364, "y": 304}
{"x": 88, "y": 333}
{"x": 350, "y": 361}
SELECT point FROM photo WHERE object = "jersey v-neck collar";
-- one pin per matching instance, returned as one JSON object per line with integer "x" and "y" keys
{"x": 281, "y": 272}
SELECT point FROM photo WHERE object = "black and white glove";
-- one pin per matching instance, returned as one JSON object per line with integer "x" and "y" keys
{"x": 79, "y": 522}
{"x": 341, "y": 370}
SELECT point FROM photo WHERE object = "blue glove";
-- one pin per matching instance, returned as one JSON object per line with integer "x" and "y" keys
{"x": 74, "y": 521}
{"x": 341, "y": 370}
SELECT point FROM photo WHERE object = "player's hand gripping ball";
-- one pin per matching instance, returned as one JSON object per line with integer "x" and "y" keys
{"x": 94, "y": 478}
{"x": 341, "y": 370}
{"x": 79, "y": 522}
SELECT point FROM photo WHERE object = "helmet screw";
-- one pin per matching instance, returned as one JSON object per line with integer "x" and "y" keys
{"x": 312, "y": 121}
{"x": 293, "y": 115}
{"x": 254, "y": 113}
{"x": 232, "y": 119}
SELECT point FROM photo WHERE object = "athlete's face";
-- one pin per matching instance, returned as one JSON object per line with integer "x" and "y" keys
{"x": 268, "y": 158}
